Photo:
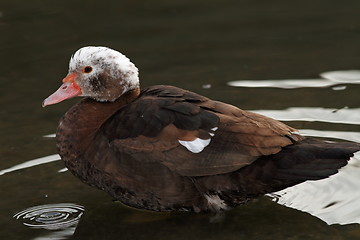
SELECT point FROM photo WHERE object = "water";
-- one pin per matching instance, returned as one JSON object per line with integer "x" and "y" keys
{"x": 51, "y": 216}
{"x": 203, "y": 46}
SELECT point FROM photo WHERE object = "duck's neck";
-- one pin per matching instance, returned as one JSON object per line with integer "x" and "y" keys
{"x": 80, "y": 124}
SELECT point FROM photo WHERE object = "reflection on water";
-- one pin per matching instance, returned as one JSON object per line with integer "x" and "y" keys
{"x": 339, "y": 88}
{"x": 287, "y": 84}
{"x": 51, "y": 216}
{"x": 58, "y": 235}
{"x": 261, "y": 219}
{"x": 349, "y": 76}
{"x": 31, "y": 163}
{"x": 344, "y": 135}
{"x": 329, "y": 79}
{"x": 50, "y": 135}
{"x": 334, "y": 200}
{"x": 329, "y": 115}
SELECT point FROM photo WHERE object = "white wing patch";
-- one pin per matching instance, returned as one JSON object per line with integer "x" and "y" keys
{"x": 197, "y": 145}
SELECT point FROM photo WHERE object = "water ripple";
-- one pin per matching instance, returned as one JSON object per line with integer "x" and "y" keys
{"x": 51, "y": 216}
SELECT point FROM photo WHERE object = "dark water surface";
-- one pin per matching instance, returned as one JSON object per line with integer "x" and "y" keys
{"x": 203, "y": 46}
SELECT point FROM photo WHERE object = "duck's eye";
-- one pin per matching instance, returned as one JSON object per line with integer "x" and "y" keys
{"x": 87, "y": 69}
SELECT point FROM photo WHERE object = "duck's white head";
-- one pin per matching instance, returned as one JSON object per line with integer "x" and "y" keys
{"x": 97, "y": 72}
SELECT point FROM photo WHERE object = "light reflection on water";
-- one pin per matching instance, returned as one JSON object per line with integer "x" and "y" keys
{"x": 334, "y": 200}
{"x": 58, "y": 235}
{"x": 344, "y": 135}
{"x": 286, "y": 84}
{"x": 329, "y": 115}
{"x": 328, "y": 79}
{"x": 31, "y": 163}
{"x": 348, "y": 76}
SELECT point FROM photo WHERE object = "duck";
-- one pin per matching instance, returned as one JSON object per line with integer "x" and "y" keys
{"x": 164, "y": 148}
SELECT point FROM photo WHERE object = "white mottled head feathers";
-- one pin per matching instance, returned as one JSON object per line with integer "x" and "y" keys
{"x": 104, "y": 63}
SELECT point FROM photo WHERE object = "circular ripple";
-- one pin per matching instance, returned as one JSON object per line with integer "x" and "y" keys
{"x": 51, "y": 216}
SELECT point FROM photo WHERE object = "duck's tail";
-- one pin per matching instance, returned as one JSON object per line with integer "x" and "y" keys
{"x": 310, "y": 159}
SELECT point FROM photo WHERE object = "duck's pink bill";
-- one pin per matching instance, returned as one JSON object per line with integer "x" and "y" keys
{"x": 67, "y": 90}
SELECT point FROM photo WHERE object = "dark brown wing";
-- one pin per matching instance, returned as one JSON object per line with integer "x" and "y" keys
{"x": 194, "y": 135}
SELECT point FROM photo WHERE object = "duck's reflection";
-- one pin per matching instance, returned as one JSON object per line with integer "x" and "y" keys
{"x": 114, "y": 221}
